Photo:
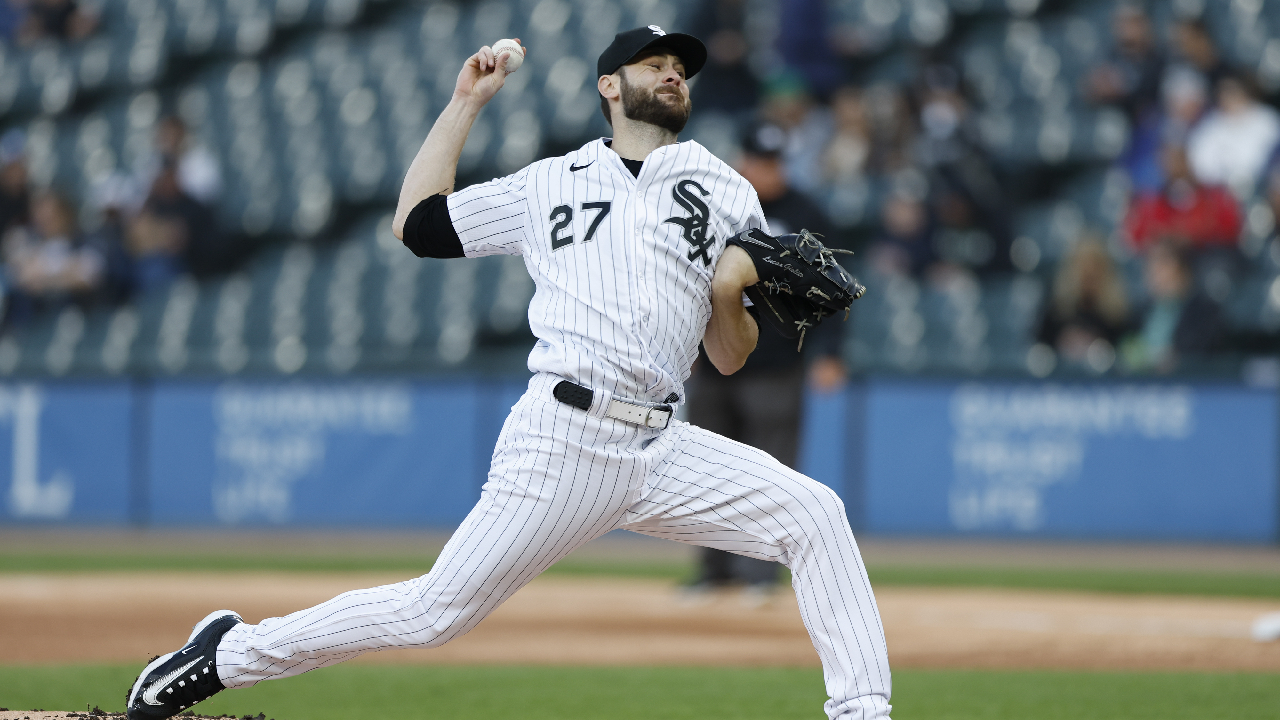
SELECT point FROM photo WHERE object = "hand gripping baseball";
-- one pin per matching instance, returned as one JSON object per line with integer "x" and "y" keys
{"x": 483, "y": 75}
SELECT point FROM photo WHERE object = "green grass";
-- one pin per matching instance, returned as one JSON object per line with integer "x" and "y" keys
{"x": 1169, "y": 582}
{"x": 410, "y": 564}
{"x": 1257, "y": 585}
{"x": 124, "y": 562}
{"x": 366, "y": 691}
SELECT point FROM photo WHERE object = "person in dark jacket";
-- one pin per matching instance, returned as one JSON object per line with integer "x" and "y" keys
{"x": 727, "y": 83}
{"x": 172, "y": 234}
{"x": 762, "y": 404}
{"x": 15, "y": 198}
{"x": 1181, "y": 322}
{"x": 1130, "y": 76}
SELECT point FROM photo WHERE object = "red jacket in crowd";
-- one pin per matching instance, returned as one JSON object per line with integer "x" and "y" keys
{"x": 1207, "y": 215}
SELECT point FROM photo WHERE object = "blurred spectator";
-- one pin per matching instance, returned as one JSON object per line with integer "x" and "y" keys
{"x": 762, "y": 404}
{"x": 905, "y": 243}
{"x": 962, "y": 238}
{"x": 1089, "y": 305}
{"x": 789, "y": 105}
{"x": 171, "y": 233}
{"x": 1130, "y": 77}
{"x": 726, "y": 82}
{"x": 1193, "y": 45}
{"x": 804, "y": 43}
{"x": 850, "y": 36}
{"x": 114, "y": 199}
{"x": 893, "y": 129}
{"x": 845, "y": 157}
{"x": 974, "y": 224}
{"x": 46, "y": 262}
{"x": 1181, "y": 322}
{"x": 12, "y": 15}
{"x": 1184, "y": 94}
{"x": 55, "y": 20}
{"x": 1183, "y": 211}
{"x": 1231, "y": 145}
{"x": 1272, "y": 193}
{"x": 199, "y": 175}
{"x": 14, "y": 196}
{"x": 942, "y": 117}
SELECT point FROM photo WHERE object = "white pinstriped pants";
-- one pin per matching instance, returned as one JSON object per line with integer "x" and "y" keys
{"x": 560, "y": 477}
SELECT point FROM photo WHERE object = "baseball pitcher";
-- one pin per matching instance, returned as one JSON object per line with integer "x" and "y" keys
{"x": 641, "y": 247}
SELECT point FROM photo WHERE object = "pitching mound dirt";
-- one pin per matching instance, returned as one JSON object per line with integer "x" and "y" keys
{"x": 100, "y": 715}
{"x": 45, "y": 715}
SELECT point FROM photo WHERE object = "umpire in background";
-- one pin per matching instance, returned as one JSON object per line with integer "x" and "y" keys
{"x": 761, "y": 405}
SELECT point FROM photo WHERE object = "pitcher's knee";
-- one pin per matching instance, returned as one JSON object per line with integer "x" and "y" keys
{"x": 433, "y": 629}
{"x": 822, "y": 511}
{"x": 429, "y": 617}
{"x": 827, "y": 503}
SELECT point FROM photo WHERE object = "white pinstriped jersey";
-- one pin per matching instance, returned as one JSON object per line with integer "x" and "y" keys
{"x": 623, "y": 269}
{"x": 622, "y": 264}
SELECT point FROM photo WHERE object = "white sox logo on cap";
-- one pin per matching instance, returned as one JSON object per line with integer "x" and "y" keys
{"x": 628, "y": 43}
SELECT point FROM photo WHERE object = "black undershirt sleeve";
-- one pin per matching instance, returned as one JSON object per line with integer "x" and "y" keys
{"x": 429, "y": 232}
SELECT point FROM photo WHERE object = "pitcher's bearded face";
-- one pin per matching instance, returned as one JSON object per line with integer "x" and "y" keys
{"x": 664, "y": 106}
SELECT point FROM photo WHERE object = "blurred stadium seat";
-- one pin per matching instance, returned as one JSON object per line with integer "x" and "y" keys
{"x": 314, "y": 109}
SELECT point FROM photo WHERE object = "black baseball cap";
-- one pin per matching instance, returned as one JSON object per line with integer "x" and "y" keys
{"x": 628, "y": 43}
{"x": 764, "y": 140}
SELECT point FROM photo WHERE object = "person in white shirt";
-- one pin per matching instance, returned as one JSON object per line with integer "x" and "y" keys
{"x": 1233, "y": 142}
{"x": 199, "y": 174}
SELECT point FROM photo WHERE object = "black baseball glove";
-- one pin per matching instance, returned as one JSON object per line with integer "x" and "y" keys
{"x": 800, "y": 281}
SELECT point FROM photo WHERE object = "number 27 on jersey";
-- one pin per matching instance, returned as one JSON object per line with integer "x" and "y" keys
{"x": 562, "y": 219}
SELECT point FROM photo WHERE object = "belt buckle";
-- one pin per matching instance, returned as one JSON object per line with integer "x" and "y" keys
{"x": 634, "y": 413}
{"x": 649, "y": 420}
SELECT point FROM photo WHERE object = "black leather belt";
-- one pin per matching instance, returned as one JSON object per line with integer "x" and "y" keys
{"x": 651, "y": 416}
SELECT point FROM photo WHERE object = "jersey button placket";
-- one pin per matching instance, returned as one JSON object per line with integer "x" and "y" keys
{"x": 641, "y": 254}
{"x": 633, "y": 239}
{"x": 642, "y": 264}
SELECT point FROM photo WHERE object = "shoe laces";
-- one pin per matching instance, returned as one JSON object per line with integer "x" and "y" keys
{"x": 196, "y": 684}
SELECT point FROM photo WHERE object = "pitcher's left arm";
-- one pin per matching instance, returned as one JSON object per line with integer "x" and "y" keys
{"x": 731, "y": 332}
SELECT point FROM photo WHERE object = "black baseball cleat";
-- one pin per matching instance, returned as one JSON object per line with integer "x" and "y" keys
{"x": 172, "y": 683}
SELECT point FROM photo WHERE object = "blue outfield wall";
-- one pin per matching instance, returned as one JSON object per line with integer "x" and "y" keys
{"x": 1088, "y": 461}
{"x": 66, "y": 452}
{"x": 1139, "y": 462}
{"x": 389, "y": 454}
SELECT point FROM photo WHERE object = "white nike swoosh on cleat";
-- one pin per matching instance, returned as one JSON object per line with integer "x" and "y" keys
{"x": 149, "y": 697}
{"x": 146, "y": 673}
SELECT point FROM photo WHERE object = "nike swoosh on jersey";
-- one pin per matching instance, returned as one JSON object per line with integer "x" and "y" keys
{"x": 149, "y": 697}
{"x": 576, "y": 168}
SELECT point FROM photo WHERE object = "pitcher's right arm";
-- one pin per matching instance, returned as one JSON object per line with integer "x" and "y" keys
{"x": 434, "y": 167}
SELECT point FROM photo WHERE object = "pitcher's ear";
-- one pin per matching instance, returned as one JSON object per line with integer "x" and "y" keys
{"x": 610, "y": 86}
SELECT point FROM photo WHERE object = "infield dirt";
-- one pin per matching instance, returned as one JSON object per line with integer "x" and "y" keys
{"x": 46, "y": 715}
{"x": 99, "y": 715}
{"x": 128, "y": 617}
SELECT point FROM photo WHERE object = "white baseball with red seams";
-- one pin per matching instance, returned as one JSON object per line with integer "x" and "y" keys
{"x": 622, "y": 266}
{"x": 516, "y": 58}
